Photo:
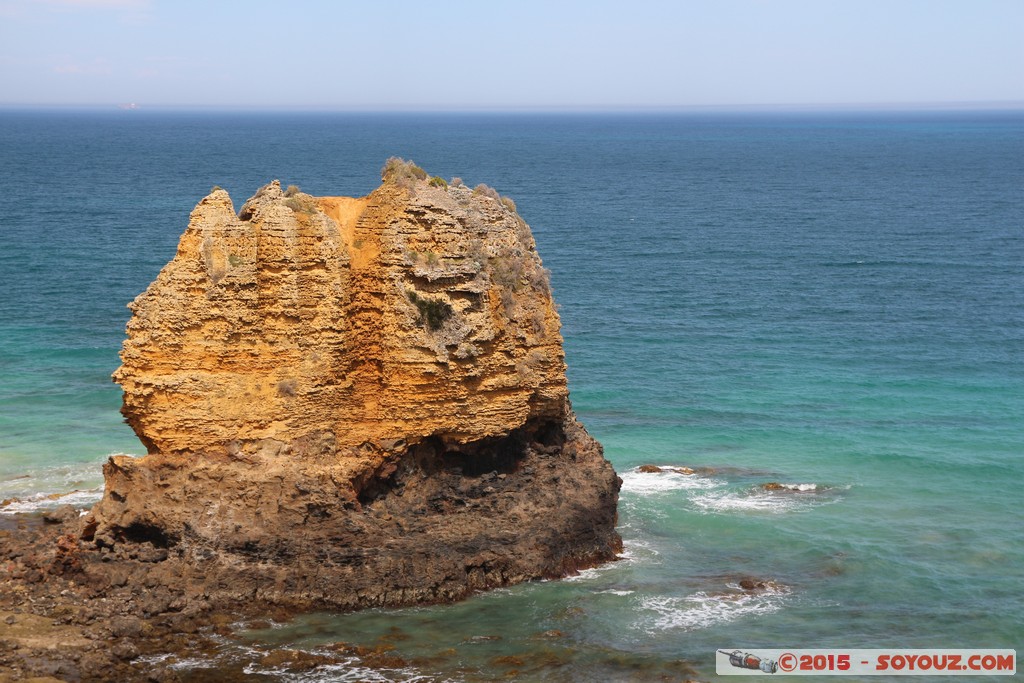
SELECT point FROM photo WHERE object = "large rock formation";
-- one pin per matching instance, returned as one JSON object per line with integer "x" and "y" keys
{"x": 353, "y": 402}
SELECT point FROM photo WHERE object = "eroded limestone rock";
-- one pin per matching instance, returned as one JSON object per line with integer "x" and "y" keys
{"x": 353, "y": 402}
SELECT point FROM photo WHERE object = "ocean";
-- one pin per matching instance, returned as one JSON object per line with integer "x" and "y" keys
{"x": 832, "y": 301}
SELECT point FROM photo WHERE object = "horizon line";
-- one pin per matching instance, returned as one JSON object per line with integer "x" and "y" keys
{"x": 969, "y": 105}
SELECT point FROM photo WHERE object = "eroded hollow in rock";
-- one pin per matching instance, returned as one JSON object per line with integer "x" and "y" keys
{"x": 145, "y": 533}
{"x": 493, "y": 456}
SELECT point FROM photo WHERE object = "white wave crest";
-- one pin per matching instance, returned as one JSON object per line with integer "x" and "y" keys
{"x": 43, "y": 501}
{"x": 647, "y": 483}
{"x": 703, "y": 610}
{"x": 80, "y": 484}
{"x": 634, "y": 549}
{"x": 350, "y": 670}
{"x": 800, "y": 488}
{"x": 786, "y": 498}
{"x": 592, "y": 573}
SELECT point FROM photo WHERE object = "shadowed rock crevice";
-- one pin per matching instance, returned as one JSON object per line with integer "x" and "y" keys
{"x": 145, "y": 533}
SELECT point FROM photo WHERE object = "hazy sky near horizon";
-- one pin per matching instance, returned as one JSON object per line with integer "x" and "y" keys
{"x": 456, "y": 54}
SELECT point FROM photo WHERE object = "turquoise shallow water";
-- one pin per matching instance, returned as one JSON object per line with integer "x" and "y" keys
{"x": 825, "y": 299}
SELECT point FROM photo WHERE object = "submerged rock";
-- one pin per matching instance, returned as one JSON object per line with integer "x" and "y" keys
{"x": 353, "y": 402}
{"x": 655, "y": 469}
{"x": 61, "y": 514}
{"x": 789, "y": 488}
{"x": 749, "y": 583}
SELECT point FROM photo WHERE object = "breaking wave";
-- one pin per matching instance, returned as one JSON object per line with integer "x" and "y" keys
{"x": 235, "y": 657}
{"x": 703, "y": 610}
{"x": 42, "y": 501}
{"x": 782, "y": 498}
{"x": 717, "y": 495}
{"x": 646, "y": 483}
{"x": 78, "y": 484}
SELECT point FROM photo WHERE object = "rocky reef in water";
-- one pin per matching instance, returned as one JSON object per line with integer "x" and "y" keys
{"x": 353, "y": 402}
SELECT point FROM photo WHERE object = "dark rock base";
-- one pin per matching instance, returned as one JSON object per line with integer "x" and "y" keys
{"x": 434, "y": 525}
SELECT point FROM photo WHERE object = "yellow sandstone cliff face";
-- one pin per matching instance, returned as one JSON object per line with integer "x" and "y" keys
{"x": 294, "y": 328}
{"x": 311, "y": 358}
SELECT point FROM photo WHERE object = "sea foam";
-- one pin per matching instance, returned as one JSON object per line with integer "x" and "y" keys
{"x": 702, "y": 610}
{"x": 647, "y": 483}
{"x": 789, "y": 498}
{"x": 42, "y": 501}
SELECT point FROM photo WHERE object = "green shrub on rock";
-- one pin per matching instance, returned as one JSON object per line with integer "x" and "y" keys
{"x": 433, "y": 312}
{"x": 397, "y": 170}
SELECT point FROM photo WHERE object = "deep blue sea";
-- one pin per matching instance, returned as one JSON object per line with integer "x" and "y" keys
{"x": 832, "y": 300}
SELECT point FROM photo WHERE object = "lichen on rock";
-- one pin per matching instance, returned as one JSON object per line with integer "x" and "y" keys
{"x": 350, "y": 402}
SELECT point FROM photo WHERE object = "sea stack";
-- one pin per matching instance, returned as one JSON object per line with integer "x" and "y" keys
{"x": 354, "y": 402}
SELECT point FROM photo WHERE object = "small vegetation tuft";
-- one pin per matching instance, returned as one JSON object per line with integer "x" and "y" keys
{"x": 456, "y": 182}
{"x": 540, "y": 279}
{"x": 539, "y": 323}
{"x": 298, "y": 202}
{"x": 398, "y": 170}
{"x": 433, "y": 312}
{"x": 483, "y": 190}
{"x": 292, "y": 191}
{"x": 438, "y": 181}
{"x": 287, "y": 387}
{"x": 477, "y": 253}
{"x": 509, "y": 204}
{"x": 507, "y": 272}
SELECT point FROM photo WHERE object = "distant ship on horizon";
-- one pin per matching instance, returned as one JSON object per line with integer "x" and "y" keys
{"x": 131, "y": 106}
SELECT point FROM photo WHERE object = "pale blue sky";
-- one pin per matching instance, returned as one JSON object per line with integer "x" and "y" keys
{"x": 453, "y": 54}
